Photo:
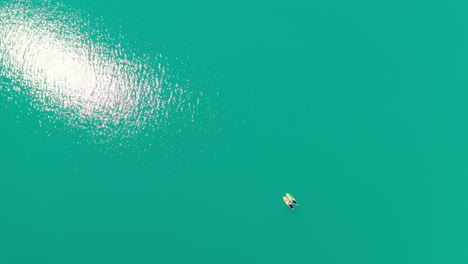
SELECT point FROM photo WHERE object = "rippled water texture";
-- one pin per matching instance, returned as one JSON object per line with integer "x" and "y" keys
{"x": 85, "y": 77}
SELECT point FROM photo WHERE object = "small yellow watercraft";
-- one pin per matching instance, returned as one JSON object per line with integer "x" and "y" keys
{"x": 288, "y": 203}
{"x": 291, "y": 198}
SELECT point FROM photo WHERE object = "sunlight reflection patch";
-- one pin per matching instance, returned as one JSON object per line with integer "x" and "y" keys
{"x": 50, "y": 52}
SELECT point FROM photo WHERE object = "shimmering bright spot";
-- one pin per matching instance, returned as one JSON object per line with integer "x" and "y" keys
{"x": 49, "y": 51}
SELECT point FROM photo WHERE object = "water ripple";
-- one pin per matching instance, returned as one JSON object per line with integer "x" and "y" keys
{"x": 86, "y": 78}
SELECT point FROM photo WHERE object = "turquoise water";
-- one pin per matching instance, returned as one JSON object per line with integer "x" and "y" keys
{"x": 168, "y": 132}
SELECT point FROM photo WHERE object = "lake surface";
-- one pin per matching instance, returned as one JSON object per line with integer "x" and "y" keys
{"x": 168, "y": 132}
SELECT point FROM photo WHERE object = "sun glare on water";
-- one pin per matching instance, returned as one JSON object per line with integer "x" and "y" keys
{"x": 51, "y": 53}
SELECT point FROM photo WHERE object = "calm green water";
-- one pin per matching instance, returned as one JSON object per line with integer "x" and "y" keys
{"x": 168, "y": 132}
